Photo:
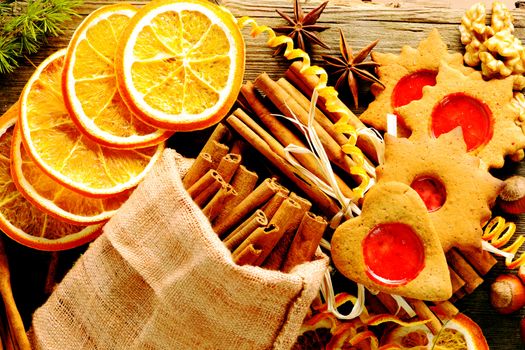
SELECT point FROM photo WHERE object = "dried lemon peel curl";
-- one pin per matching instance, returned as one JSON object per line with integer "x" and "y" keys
{"x": 328, "y": 93}
{"x": 498, "y": 233}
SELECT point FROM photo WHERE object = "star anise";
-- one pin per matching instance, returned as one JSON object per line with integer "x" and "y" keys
{"x": 302, "y": 27}
{"x": 347, "y": 67}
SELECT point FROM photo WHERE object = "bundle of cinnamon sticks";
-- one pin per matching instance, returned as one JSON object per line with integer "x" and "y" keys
{"x": 262, "y": 222}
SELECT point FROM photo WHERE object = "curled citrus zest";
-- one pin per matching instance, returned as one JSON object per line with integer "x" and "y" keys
{"x": 383, "y": 318}
{"x": 328, "y": 93}
{"x": 498, "y": 233}
{"x": 362, "y": 336}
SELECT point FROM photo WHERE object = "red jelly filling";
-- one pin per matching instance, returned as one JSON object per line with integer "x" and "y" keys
{"x": 431, "y": 191}
{"x": 459, "y": 109}
{"x": 410, "y": 87}
{"x": 393, "y": 253}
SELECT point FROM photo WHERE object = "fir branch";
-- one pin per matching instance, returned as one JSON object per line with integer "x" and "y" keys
{"x": 24, "y": 26}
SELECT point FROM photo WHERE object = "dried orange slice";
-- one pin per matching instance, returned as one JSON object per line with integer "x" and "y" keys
{"x": 180, "y": 64}
{"x": 22, "y": 221}
{"x": 89, "y": 84}
{"x": 55, "y": 199}
{"x": 55, "y": 144}
{"x": 459, "y": 333}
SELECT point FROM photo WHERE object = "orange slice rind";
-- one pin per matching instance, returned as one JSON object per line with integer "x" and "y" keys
{"x": 25, "y": 223}
{"x": 89, "y": 83}
{"x": 55, "y": 144}
{"x": 180, "y": 64}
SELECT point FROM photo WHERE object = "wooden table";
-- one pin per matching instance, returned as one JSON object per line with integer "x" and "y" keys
{"x": 405, "y": 23}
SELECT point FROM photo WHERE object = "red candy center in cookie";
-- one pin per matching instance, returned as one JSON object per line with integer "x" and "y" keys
{"x": 410, "y": 87}
{"x": 459, "y": 109}
{"x": 393, "y": 253}
{"x": 431, "y": 191}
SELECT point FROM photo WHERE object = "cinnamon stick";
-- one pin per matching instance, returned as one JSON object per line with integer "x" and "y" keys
{"x": 248, "y": 256}
{"x": 464, "y": 270}
{"x": 203, "y": 183}
{"x": 482, "y": 261}
{"x": 275, "y": 260}
{"x": 254, "y": 200}
{"x": 216, "y": 150}
{"x": 200, "y": 166}
{"x": 325, "y": 203}
{"x": 274, "y": 203}
{"x": 221, "y": 134}
{"x": 206, "y": 194}
{"x": 267, "y": 240}
{"x": 228, "y": 166}
{"x": 288, "y": 218}
{"x": 424, "y": 313}
{"x": 243, "y": 182}
{"x": 307, "y": 83}
{"x": 225, "y": 193}
{"x": 286, "y": 137}
{"x": 320, "y": 117}
{"x": 456, "y": 281}
{"x": 238, "y": 147}
{"x": 306, "y": 241}
{"x": 15, "y": 323}
{"x": 444, "y": 310}
{"x": 391, "y": 305}
{"x": 458, "y": 295}
{"x": 290, "y": 108}
{"x": 258, "y": 219}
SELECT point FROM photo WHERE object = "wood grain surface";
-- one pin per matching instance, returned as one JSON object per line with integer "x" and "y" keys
{"x": 394, "y": 23}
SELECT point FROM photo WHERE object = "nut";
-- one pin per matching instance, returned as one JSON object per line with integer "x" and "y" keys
{"x": 501, "y": 18}
{"x": 495, "y": 47}
{"x": 507, "y": 294}
{"x": 512, "y": 196}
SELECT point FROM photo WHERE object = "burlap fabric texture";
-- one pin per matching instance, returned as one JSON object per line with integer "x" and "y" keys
{"x": 159, "y": 278}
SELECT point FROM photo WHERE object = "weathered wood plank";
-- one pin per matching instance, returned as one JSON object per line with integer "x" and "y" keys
{"x": 362, "y": 23}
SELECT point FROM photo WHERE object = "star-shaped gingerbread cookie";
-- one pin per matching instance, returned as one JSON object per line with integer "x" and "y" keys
{"x": 457, "y": 193}
{"x": 404, "y": 76}
{"x": 392, "y": 246}
{"x": 482, "y": 108}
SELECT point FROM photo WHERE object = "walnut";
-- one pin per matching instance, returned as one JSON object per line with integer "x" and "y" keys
{"x": 494, "y": 47}
{"x": 501, "y": 18}
{"x": 518, "y": 102}
{"x": 473, "y": 27}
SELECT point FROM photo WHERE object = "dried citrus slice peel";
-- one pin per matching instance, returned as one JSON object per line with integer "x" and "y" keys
{"x": 180, "y": 64}
{"x": 55, "y": 144}
{"x": 55, "y": 199}
{"x": 22, "y": 221}
{"x": 89, "y": 83}
{"x": 459, "y": 333}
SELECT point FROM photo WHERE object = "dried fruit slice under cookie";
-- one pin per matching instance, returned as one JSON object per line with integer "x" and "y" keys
{"x": 482, "y": 108}
{"x": 404, "y": 77}
{"x": 392, "y": 246}
{"x": 457, "y": 193}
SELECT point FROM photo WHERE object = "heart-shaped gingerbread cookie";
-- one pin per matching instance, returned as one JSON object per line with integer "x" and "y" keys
{"x": 392, "y": 246}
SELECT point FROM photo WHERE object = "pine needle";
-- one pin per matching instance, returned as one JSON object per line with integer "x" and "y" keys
{"x": 25, "y": 25}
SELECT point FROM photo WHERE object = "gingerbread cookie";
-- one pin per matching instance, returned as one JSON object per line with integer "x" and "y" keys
{"x": 483, "y": 109}
{"x": 392, "y": 246}
{"x": 457, "y": 193}
{"x": 404, "y": 76}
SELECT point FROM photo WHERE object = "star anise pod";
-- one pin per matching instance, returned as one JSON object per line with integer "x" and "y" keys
{"x": 302, "y": 27}
{"x": 347, "y": 67}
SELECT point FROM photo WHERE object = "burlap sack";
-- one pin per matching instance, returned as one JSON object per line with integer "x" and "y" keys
{"x": 159, "y": 278}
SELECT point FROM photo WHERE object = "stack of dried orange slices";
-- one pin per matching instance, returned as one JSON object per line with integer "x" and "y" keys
{"x": 93, "y": 118}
